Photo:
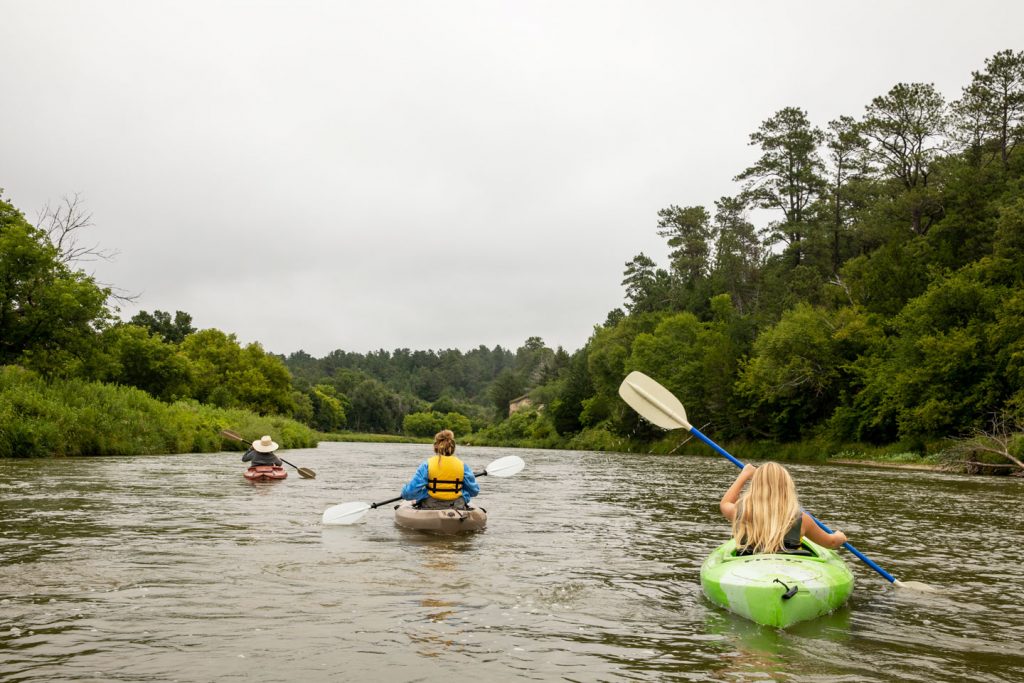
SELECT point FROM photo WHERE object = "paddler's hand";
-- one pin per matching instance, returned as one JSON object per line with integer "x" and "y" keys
{"x": 839, "y": 538}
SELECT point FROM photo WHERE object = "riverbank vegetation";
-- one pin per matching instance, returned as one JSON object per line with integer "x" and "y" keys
{"x": 878, "y": 312}
{"x": 68, "y": 417}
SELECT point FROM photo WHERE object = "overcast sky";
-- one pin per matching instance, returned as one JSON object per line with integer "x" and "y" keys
{"x": 381, "y": 174}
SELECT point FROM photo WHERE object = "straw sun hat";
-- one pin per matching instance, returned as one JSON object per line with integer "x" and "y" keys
{"x": 265, "y": 445}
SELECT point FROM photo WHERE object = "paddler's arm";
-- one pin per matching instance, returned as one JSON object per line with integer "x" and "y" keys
{"x": 728, "y": 503}
{"x": 469, "y": 482}
{"x": 417, "y": 486}
{"x": 814, "y": 532}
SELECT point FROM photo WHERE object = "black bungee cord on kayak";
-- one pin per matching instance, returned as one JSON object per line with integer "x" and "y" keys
{"x": 790, "y": 592}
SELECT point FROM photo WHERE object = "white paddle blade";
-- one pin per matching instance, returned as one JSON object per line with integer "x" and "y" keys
{"x": 654, "y": 402}
{"x": 346, "y": 513}
{"x": 505, "y": 467}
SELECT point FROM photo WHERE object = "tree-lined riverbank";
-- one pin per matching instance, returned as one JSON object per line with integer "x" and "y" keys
{"x": 56, "y": 418}
{"x": 880, "y": 310}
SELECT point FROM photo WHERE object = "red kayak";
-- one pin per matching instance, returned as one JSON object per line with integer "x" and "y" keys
{"x": 265, "y": 473}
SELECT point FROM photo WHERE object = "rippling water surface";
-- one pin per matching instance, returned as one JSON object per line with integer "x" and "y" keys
{"x": 177, "y": 569}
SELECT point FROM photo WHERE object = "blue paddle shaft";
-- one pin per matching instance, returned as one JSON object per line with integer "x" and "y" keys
{"x": 863, "y": 558}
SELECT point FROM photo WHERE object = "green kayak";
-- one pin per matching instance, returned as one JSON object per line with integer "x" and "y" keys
{"x": 776, "y": 590}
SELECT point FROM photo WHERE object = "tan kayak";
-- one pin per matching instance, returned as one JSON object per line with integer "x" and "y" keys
{"x": 440, "y": 521}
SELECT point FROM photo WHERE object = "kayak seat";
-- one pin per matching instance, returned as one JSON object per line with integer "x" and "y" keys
{"x": 802, "y": 551}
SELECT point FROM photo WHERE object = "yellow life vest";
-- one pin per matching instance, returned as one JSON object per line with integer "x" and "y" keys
{"x": 444, "y": 477}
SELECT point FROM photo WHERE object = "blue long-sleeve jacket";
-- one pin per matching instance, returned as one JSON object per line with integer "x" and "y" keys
{"x": 416, "y": 489}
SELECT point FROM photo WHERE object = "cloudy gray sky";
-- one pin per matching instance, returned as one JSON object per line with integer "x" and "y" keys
{"x": 425, "y": 174}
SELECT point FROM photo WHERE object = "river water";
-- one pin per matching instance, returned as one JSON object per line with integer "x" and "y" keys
{"x": 178, "y": 569}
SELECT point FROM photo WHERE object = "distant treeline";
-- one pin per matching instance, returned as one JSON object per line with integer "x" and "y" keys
{"x": 380, "y": 390}
{"x": 883, "y": 305}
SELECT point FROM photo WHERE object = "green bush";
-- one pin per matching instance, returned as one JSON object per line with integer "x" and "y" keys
{"x": 597, "y": 439}
{"x": 42, "y": 418}
{"x": 429, "y": 424}
{"x": 366, "y": 437}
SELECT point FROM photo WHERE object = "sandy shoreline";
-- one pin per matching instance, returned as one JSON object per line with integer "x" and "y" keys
{"x": 893, "y": 465}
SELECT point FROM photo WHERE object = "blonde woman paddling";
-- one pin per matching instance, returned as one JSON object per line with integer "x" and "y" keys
{"x": 767, "y": 518}
{"x": 443, "y": 481}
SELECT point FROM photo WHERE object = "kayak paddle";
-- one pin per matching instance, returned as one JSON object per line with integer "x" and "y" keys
{"x": 304, "y": 472}
{"x": 350, "y": 513}
{"x": 658, "y": 405}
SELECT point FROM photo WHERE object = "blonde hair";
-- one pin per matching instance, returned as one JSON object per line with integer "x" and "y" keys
{"x": 444, "y": 443}
{"x": 766, "y": 510}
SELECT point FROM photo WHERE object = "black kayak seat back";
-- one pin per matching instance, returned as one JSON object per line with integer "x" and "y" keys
{"x": 804, "y": 550}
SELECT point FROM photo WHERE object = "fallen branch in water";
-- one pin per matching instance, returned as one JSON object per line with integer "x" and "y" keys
{"x": 1003, "y": 436}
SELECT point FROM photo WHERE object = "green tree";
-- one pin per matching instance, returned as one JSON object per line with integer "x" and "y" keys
{"x": 739, "y": 254}
{"x": 905, "y": 129}
{"x": 160, "y": 323}
{"x": 132, "y": 356}
{"x": 796, "y": 372}
{"x": 992, "y": 106}
{"x": 575, "y": 387}
{"x": 328, "y": 408}
{"x": 937, "y": 375}
{"x": 614, "y": 317}
{"x": 689, "y": 234}
{"x": 444, "y": 404}
{"x": 49, "y": 313}
{"x": 697, "y": 360}
{"x": 374, "y": 408}
{"x": 430, "y": 423}
{"x": 970, "y": 127}
{"x": 847, "y": 161}
{"x": 647, "y": 288}
{"x": 788, "y": 176}
{"x": 672, "y": 354}
{"x": 505, "y": 387}
{"x": 608, "y": 352}
{"x": 537, "y": 363}
{"x": 428, "y": 383}
{"x": 228, "y": 375}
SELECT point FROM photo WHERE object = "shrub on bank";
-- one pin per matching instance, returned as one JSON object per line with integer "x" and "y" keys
{"x": 523, "y": 429}
{"x": 363, "y": 437}
{"x": 430, "y": 423}
{"x": 597, "y": 439}
{"x": 45, "y": 418}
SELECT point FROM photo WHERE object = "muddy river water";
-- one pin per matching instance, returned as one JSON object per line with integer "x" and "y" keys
{"x": 175, "y": 568}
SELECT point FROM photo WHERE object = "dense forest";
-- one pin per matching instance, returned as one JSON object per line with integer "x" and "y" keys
{"x": 881, "y": 306}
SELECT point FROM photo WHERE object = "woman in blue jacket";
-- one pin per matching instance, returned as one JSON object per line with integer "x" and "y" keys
{"x": 442, "y": 481}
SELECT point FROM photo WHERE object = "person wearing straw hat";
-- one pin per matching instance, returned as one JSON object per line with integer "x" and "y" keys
{"x": 262, "y": 453}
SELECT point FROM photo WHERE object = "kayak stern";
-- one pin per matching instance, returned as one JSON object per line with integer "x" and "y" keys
{"x": 756, "y": 586}
{"x": 445, "y": 521}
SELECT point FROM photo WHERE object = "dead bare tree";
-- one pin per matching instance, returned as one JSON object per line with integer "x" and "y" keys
{"x": 63, "y": 225}
{"x": 998, "y": 439}
{"x": 838, "y": 282}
